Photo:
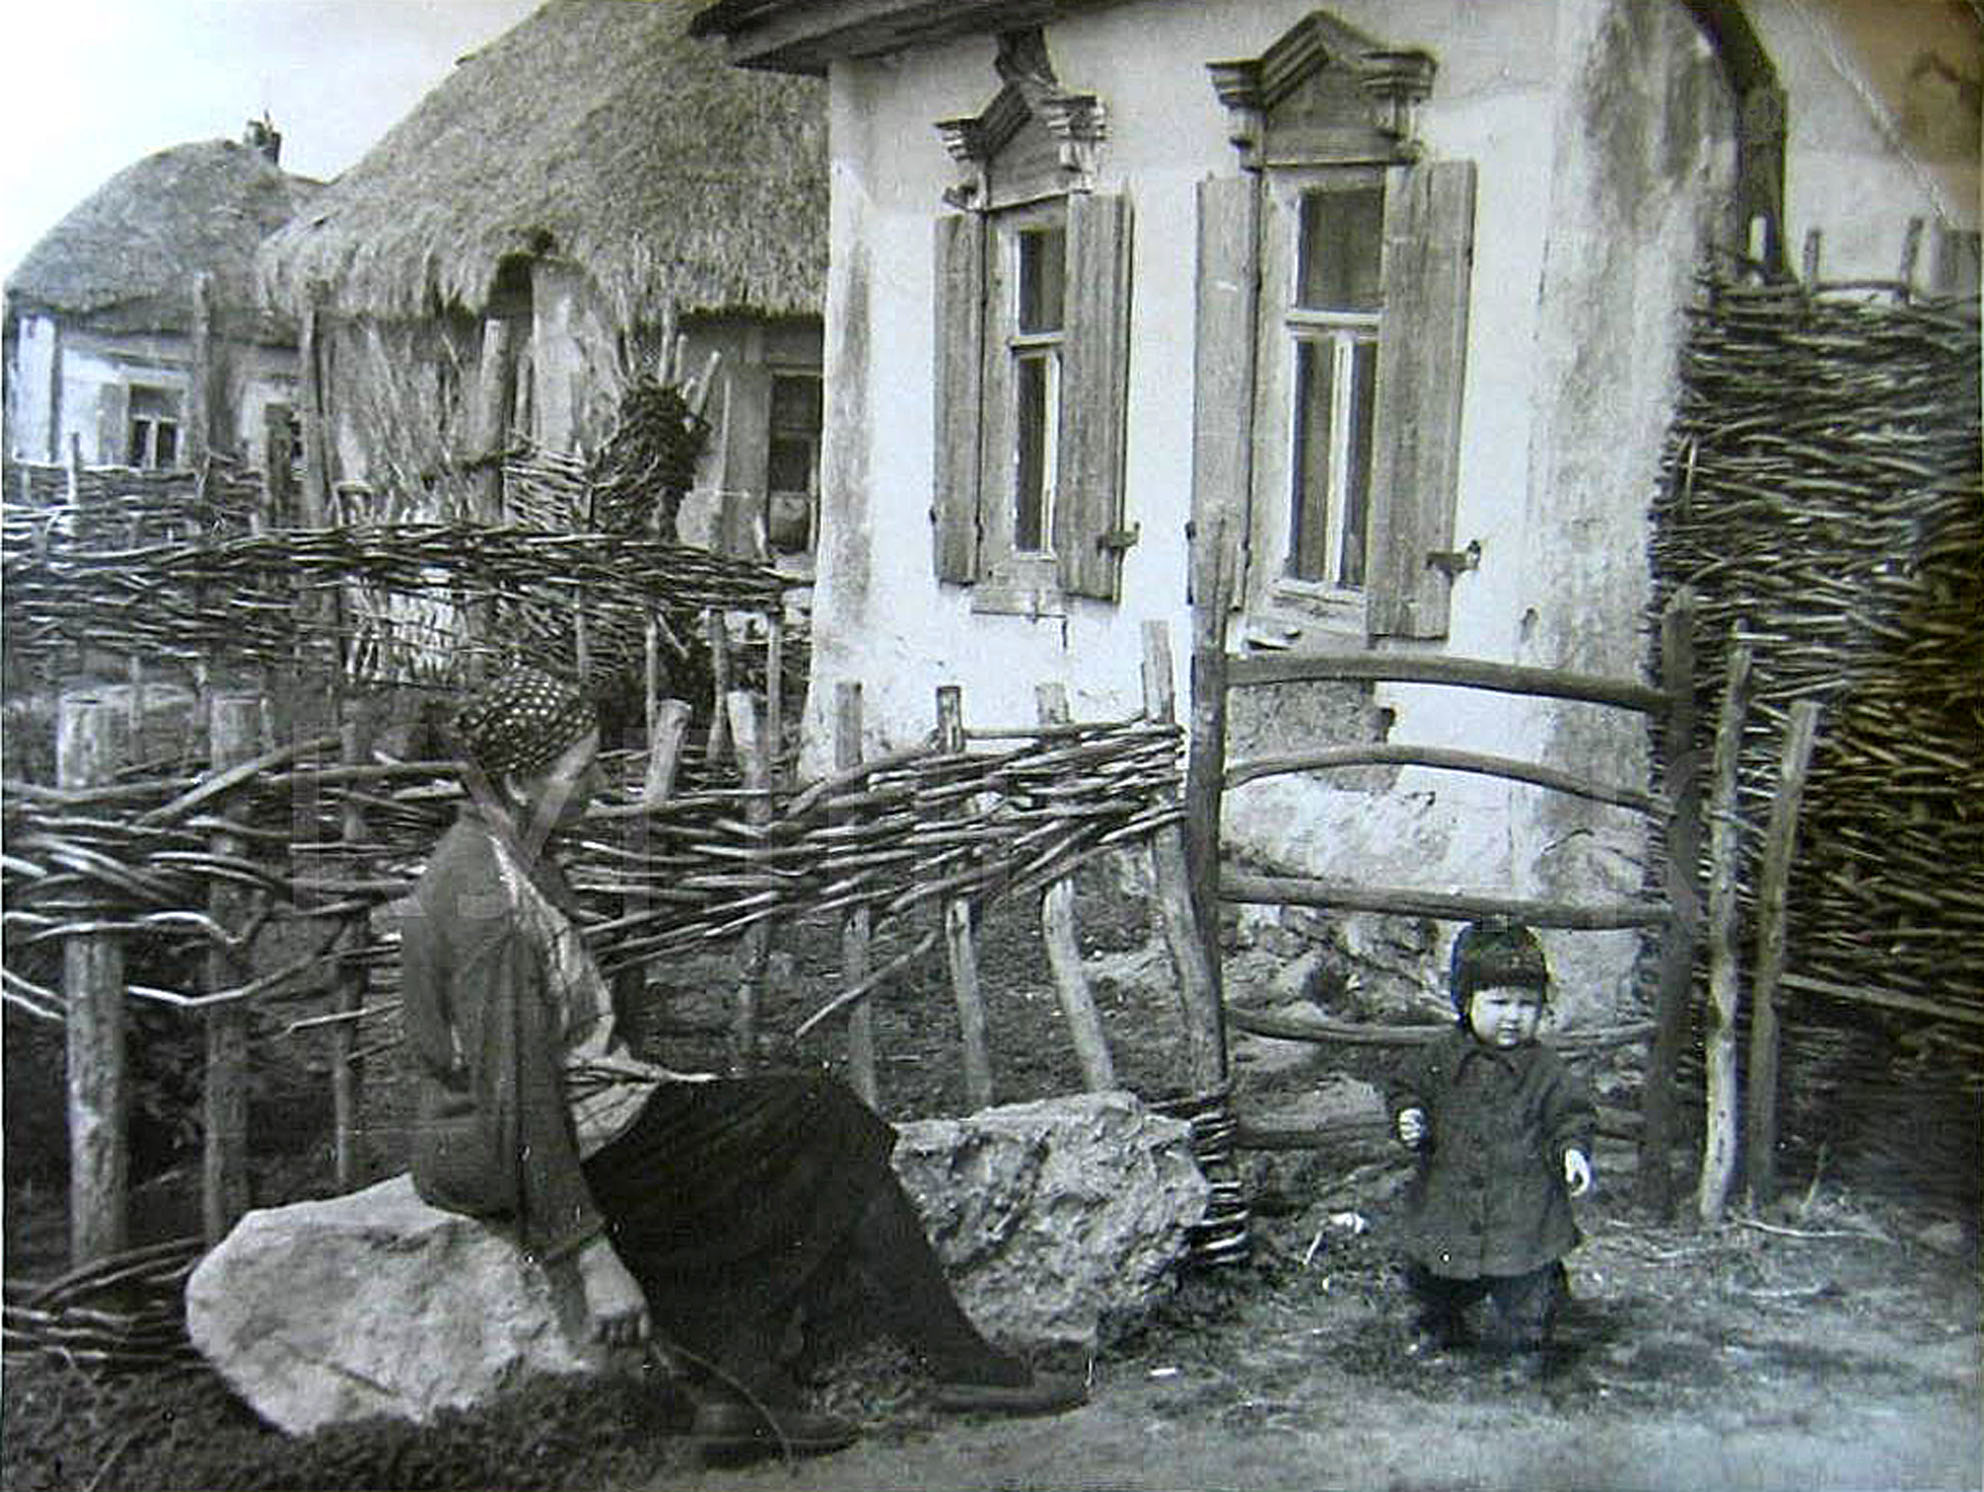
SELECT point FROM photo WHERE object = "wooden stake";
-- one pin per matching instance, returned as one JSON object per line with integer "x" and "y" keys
{"x": 1064, "y": 953}
{"x": 855, "y": 927}
{"x": 234, "y": 727}
{"x": 718, "y": 630}
{"x": 315, "y": 502}
{"x": 1774, "y": 881}
{"x": 91, "y": 745}
{"x": 958, "y": 944}
{"x": 201, "y": 382}
{"x": 1671, "y": 998}
{"x": 753, "y": 955}
{"x": 666, "y": 730}
{"x": 1199, "y": 1004}
{"x": 1205, "y": 768}
{"x": 774, "y": 693}
{"x": 356, "y": 749}
{"x": 1724, "y": 973}
{"x": 668, "y": 724}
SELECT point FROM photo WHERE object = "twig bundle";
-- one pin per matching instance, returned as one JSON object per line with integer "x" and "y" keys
{"x": 1821, "y": 495}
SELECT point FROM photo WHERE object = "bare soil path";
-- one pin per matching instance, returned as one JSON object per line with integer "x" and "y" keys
{"x": 1816, "y": 1357}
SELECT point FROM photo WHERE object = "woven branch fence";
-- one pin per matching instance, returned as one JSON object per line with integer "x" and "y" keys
{"x": 1821, "y": 497}
{"x": 246, "y": 599}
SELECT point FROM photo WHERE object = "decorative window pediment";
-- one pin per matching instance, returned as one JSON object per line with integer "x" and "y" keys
{"x": 1325, "y": 92}
{"x": 1035, "y": 139}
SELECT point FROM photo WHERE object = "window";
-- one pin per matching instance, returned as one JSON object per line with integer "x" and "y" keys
{"x": 1032, "y": 299}
{"x": 792, "y": 463}
{"x": 1331, "y": 327}
{"x": 153, "y": 440}
{"x": 1359, "y": 249}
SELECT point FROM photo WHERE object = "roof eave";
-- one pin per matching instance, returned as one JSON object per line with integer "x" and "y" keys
{"x": 803, "y": 36}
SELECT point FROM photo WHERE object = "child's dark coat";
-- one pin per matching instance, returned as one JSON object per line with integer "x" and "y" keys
{"x": 1489, "y": 1196}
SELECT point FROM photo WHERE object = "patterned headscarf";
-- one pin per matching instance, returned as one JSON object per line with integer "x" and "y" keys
{"x": 1497, "y": 951}
{"x": 522, "y": 722}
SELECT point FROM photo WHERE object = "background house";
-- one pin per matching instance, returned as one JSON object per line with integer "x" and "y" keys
{"x": 1399, "y": 286}
{"x": 102, "y": 316}
{"x": 506, "y": 261}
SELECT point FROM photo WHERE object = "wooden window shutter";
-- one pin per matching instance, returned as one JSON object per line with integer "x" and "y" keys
{"x": 960, "y": 297}
{"x": 113, "y": 424}
{"x": 1422, "y": 350}
{"x": 1089, "y": 538}
{"x": 1228, "y": 292}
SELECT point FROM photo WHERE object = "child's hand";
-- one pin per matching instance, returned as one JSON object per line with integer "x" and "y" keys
{"x": 1577, "y": 1172}
{"x": 1412, "y": 1127}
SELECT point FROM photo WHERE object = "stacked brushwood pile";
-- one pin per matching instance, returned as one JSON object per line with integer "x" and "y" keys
{"x": 1821, "y": 496}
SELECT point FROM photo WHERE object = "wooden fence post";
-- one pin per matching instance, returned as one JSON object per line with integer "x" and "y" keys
{"x": 751, "y": 758}
{"x": 356, "y": 733}
{"x": 1064, "y": 953}
{"x": 856, "y": 926}
{"x": 718, "y": 631}
{"x": 958, "y": 945}
{"x": 234, "y": 729}
{"x": 1724, "y": 974}
{"x": 1677, "y": 959}
{"x": 1190, "y": 941}
{"x": 775, "y": 695}
{"x": 91, "y": 743}
{"x": 1774, "y": 882}
{"x": 314, "y": 506}
{"x": 203, "y": 382}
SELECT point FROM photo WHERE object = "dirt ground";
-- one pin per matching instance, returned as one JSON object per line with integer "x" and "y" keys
{"x": 1834, "y": 1343}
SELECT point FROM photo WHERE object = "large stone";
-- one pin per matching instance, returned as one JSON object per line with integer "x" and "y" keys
{"x": 375, "y": 1303}
{"x": 1054, "y": 1217}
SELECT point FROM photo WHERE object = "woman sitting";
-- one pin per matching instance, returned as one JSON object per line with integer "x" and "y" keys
{"x": 700, "y": 1212}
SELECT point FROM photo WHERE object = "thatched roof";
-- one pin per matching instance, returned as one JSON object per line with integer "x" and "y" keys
{"x": 126, "y": 256}
{"x": 596, "y": 132}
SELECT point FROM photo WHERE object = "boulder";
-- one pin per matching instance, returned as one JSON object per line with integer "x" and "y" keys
{"x": 1051, "y": 1217}
{"x": 1054, "y": 1217}
{"x": 375, "y": 1303}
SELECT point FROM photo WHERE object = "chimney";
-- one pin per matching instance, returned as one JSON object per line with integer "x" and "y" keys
{"x": 264, "y": 136}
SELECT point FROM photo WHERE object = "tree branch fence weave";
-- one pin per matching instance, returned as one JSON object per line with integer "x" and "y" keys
{"x": 1821, "y": 497}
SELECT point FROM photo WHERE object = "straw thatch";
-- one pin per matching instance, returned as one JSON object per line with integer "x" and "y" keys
{"x": 597, "y": 133}
{"x": 126, "y": 257}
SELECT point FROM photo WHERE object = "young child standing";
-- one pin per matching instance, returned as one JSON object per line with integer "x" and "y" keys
{"x": 1503, "y": 1133}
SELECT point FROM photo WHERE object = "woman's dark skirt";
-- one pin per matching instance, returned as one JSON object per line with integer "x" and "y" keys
{"x": 725, "y": 1199}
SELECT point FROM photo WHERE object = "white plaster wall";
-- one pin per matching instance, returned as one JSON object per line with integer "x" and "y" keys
{"x": 1602, "y": 134}
{"x": 880, "y": 615}
{"x": 29, "y": 386}
{"x": 90, "y": 362}
{"x": 1874, "y": 138}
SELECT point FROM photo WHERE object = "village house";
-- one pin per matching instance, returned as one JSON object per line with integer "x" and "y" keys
{"x": 1389, "y": 293}
{"x": 510, "y": 257}
{"x": 133, "y": 333}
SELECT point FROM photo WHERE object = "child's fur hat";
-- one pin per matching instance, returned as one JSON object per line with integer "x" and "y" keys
{"x": 1497, "y": 951}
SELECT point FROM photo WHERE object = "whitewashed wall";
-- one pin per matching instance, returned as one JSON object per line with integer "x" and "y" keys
{"x": 1603, "y": 137}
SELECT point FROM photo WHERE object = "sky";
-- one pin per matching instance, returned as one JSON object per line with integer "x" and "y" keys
{"x": 94, "y": 85}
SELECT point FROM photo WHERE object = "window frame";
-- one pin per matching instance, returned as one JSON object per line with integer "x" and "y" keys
{"x": 1285, "y": 325}
{"x": 1013, "y": 578}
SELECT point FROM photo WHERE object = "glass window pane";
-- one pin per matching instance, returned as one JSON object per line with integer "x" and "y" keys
{"x": 795, "y": 405}
{"x": 789, "y": 465}
{"x": 1341, "y": 250}
{"x": 1357, "y": 463}
{"x": 168, "y": 443}
{"x": 1309, "y": 501}
{"x": 1043, "y": 276}
{"x": 1034, "y": 410}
